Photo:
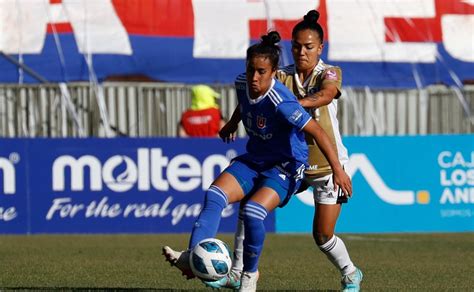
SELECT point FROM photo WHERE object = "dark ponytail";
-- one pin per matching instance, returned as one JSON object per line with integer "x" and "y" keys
{"x": 310, "y": 21}
{"x": 268, "y": 47}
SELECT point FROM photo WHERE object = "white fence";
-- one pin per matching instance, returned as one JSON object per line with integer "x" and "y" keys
{"x": 154, "y": 109}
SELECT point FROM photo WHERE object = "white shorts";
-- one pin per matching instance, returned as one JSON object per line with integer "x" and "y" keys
{"x": 323, "y": 191}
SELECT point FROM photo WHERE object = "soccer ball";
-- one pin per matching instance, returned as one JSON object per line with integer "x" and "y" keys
{"x": 210, "y": 259}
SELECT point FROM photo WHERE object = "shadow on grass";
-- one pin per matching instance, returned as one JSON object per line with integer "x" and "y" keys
{"x": 121, "y": 289}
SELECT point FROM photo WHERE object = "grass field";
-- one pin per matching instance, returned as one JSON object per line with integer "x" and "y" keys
{"x": 404, "y": 262}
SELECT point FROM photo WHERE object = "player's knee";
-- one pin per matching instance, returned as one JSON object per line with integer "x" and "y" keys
{"x": 216, "y": 195}
{"x": 253, "y": 211}
{"x": 321, "y": 237}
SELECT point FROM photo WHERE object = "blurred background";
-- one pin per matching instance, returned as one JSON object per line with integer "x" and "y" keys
{"x": 92, "y": 93}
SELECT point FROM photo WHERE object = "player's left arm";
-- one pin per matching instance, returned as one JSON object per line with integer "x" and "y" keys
{"x": 330, "y": 89}
{"x": 299, "y": 118}
{"x": 340, "y": 178}
{"x": 229, "y": 131}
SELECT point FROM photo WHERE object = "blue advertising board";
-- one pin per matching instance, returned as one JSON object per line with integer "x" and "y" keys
{"x": 110, "y": 185}
{"x": 14, "y": 204}
{"x": 400, "y": 184}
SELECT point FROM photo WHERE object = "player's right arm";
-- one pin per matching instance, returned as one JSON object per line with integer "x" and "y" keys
{"x": 229, "y": 130}
{"x": 321, "y": 98}
{"x": 330, "y": 89}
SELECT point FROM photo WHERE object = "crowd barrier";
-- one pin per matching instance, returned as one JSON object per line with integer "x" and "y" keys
{"x": 135, "y": 109}
{"x": 157, "y": 185}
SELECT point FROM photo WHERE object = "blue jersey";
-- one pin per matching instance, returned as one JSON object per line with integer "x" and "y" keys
{"x": 273, "y": 123}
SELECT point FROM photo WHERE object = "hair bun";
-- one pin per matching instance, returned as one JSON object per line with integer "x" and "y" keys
{"x": 312, "y": 16}
{"x": 272, "y": 38}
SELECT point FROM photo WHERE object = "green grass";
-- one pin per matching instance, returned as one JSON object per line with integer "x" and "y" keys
{"x": 406, "y": 262}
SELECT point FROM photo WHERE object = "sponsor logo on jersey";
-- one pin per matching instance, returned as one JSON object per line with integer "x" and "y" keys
{"x": 296, "y": 115}
{"x": 330, "y": 75}
{"x": 312, "y": 167}
{"x": 252, "y": 132}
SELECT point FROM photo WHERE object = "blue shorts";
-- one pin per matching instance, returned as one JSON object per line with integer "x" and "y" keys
{"x": 250, "y": 179}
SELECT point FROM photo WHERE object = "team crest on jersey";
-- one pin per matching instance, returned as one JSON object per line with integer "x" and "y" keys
{"x": 261, "y": 122}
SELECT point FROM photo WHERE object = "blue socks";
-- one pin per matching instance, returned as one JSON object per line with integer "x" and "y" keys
{"x": 208, "y": 222}
{"x": 253, "y": 215}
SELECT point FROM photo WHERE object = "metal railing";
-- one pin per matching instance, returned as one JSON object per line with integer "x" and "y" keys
{"x": 154, "y": 109}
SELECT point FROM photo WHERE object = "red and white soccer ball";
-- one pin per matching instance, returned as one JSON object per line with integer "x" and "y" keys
{"x": 210, "y": 259}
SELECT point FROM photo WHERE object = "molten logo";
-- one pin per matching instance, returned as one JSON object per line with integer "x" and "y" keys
{"x": 151, "y": 169}
{"x": 9, "y": 181}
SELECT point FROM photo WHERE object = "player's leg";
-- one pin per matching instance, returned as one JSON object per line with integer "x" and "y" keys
{"x": 328, "y": 207}
{"x": 254, "y": 213}
{"x": 239, "y": 236}
{"x": 333, "y": 246}
{"x": 238, "y": 262}
{"x": 223, "y": 191}
{"x": 227, "y": 188}
{"x": 232, "y": 280}
{"x": 323, "y": 232}
{"x": 274, "y": 190}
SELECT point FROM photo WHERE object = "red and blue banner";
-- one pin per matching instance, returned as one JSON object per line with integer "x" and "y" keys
{"x": 397, "y": 43}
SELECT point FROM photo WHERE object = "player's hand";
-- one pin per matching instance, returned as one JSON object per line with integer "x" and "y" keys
{"x": 228, "y": 132}
{"x": 343, "y": 181}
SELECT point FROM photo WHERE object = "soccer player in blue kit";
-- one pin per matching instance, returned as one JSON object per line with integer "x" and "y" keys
{"x": 317, "y": 85}
{"x": 272, "y": 168}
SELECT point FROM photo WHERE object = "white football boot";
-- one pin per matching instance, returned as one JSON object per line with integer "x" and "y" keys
{"x": 248, "y": 282}
{"x": 179, "y": 259}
